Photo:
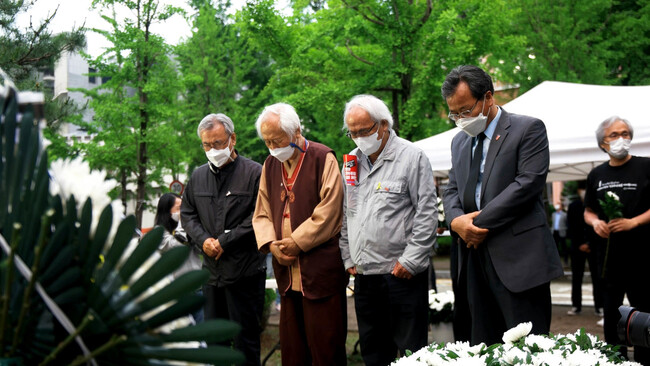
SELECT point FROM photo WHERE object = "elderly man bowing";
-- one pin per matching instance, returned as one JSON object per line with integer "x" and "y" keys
{"x": 388, "y": 231}
{"x": 298, "y": 219}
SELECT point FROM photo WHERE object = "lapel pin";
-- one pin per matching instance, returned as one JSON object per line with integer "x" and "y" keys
{"x": 228, "y": 194}
{"x": 497, "y": 138}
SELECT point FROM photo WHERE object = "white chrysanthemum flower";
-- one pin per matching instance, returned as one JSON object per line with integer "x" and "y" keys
{"x": 520, "y": 331}
{"x": 437, "y": 301}
{"x": 580, "y": 357}
{"x": 513, "y": 354}
{"x": 73, "y": 177}
{"x": 548, "y": 358}
{"x": 613, "y": 195}
{"x": 542, "y": 342}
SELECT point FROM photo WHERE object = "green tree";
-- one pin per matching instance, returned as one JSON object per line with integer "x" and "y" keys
{"x": 136, "y": 111}
{"x": 221, "y": 74}
{"x": 29, "y": 52}
{"x": 397, "y": 50}
{"x": 604, "y": 42}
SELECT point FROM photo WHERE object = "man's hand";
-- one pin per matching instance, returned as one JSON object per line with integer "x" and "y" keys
{"x": 464, "y": 226}
{"x": 584, "y": 248}
{"x": 288, "y": 247}
{"x": 352, "y": 271}
{"x": 601, "y": 228}
{"x": 618, "y": 225}
{"x": 219, "y": 249}
{"x": 209, "y": 247}
{"x": 282, "y": 258}
{"x": 400, "y": 272}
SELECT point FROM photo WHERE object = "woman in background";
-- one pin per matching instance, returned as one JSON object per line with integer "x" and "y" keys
{"x": 168, "y": 216}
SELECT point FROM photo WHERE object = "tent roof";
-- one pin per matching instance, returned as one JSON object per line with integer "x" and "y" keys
{"x": 571, "y": 113}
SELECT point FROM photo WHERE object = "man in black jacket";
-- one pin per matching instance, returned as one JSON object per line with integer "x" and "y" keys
{"x": 216, "y": 212}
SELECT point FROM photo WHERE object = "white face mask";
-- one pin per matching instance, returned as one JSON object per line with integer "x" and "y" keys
{"x": 473, "y": 125}
{"x": 368, "y": 144}
{"x": 176, "y": 216}
{"x": 219, "y": 157}
{"x": 619, "y": 148}
{"x": 282, "y": 153}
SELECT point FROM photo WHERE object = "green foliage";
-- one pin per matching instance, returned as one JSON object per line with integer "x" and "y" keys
{"x": 602, "y": 42}
{"x": 98, "y": 307}
{"x": 137, "y": 111}
{"x": 28, "y": 52}
{"x": 220, "y": 74}
{"x": 399, "y": 51}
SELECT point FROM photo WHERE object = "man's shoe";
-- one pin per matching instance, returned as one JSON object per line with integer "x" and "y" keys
{"x": 574, "y": 311}
{"x": 599, "y": 312}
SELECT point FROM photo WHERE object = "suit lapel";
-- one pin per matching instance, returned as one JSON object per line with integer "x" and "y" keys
{"x": 498, "y": 138}
{"x": 465, "y": 158}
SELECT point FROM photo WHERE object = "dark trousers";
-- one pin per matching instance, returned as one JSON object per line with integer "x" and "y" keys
{"x": 462, "y": 319}
{"x": 578, "y": 259}
{"x": 495, "y": 309}
{"x": 639, "y": 296}
{"x": 562, "y": 248}
{"x": 313, "y": 332}
{"x": 392, "y": 316}
{"x": 241, "y": 302}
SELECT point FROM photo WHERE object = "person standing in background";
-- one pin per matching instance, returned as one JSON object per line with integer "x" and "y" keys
{"x": 582, "y": 250}
{"x": 168, "y": 215}
{"x": 559, "y": 226}
{"x": 625, "y": 178}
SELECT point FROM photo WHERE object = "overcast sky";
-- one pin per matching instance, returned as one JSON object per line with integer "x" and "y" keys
{"x": 73, "y": 13}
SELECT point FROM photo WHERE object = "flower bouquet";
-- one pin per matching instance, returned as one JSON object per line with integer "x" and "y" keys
{"x": 612, "y": 208}
{"x": 521, "y": 348}
{"x": 441, "y": 306}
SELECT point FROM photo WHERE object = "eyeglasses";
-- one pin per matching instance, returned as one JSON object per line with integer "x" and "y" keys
{"x": 615, "y": 135}
{"x": 217, "y": 145}
{"x": 455, "y": 116}
{"x": 361, "y": 133}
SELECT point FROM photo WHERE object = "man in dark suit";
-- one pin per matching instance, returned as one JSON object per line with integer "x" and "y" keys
{"x": 493, "y": 203}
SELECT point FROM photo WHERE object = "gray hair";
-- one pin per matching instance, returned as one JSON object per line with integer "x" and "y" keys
{"x": 207, "y": 123}
{"x": 600, "y": 131}
{"x": 289, "y": 120}
{"x": 375, "y": 107}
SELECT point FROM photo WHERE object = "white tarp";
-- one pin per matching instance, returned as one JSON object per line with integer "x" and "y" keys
{"x": 571, "y": 113}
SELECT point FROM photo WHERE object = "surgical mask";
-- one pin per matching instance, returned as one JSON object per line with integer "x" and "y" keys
{"x": 283, "y": 153}
{"x": 176, "y": 216}
{"x": 368, "y": 144}
{"x": 619, "y": 148}
{"x": 219, "y": 157}
{"x": 473, "y": 125}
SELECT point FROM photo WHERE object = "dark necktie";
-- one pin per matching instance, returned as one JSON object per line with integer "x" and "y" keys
{"x": 469, "y": 203}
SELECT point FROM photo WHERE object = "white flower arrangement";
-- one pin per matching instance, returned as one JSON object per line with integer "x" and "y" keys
{"x": 73, "y": 177}
{"x": 441, "y": 305}
{"x": 521, "y": 348}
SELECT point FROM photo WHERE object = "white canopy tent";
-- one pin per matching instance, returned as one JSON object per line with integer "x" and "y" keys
{"x": 571, "y": 113}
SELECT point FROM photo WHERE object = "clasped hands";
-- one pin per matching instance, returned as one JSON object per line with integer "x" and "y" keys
{"x": 285, "y": 251}
{"x": 212, "y": 248}
{"x": 471, "y": 234}
{"x": 398, "y": 271}
{"x": 603, "y": 229}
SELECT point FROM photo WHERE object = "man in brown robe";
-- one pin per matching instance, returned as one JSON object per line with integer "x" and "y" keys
{"x": 298, "y": 218}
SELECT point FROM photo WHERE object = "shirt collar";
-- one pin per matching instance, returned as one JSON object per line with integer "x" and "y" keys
{"x": 493, "y": 125}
